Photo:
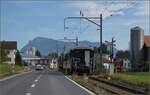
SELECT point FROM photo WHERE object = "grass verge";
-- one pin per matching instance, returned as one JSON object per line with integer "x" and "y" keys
{"x": 8, "y": 70}
{"x": 89, "y": 85}
{"x": 134, "y": 78}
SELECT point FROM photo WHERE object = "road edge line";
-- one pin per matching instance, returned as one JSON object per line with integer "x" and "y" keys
{"x": 15, "y": 75}
{"x": 90, "y": 92}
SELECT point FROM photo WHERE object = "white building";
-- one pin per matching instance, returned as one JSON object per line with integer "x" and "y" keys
{"x": 126, "y": 65}
{"x": 106, "y": 62}
{"x": 31, "y": 51}
{"x": 29, "y": 58}
{"x": 11, "y": 49}
{"x": 54, "y": 64}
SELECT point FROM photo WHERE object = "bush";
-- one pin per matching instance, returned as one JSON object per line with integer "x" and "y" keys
{"x": 18, "y": 59}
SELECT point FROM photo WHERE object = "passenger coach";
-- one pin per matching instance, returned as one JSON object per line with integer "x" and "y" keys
{"x": 81, "y": 60}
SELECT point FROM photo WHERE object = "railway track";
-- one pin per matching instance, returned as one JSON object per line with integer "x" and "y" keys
{"x": 119, "y": 88}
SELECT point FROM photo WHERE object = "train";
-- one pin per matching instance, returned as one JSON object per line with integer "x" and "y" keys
{"x": 78, "y": 60}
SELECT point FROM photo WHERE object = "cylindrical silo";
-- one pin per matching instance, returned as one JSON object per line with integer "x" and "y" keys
{"x": 137, "y": 42}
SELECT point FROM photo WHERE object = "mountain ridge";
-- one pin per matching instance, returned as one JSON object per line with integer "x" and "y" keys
{"x": 49, "y": 45}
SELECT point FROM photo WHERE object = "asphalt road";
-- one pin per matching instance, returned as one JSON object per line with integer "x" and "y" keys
{"x": 40, "y": 83}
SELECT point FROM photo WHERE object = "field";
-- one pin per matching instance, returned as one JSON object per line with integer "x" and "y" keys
{"x": 135, "y": 78}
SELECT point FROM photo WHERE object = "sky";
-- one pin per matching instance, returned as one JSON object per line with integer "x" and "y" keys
{"x": 23, "y": 20}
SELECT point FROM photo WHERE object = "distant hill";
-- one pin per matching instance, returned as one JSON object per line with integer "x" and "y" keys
{"x": 46, "y": 45}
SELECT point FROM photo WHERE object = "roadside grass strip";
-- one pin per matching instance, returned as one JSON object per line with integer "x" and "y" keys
{"x": 86, "y": 83}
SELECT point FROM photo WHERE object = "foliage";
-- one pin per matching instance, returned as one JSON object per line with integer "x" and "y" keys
{"x": 37, "y": 53}
{"x": 66, "y": 56}
{"x": 18, "y": 59}
{"x": 104, "y": 49}
{"x": 144, "y": 66}
{"x": 91, "y": 85}
{"x": 53, "y": 55}
{"x": 98, "y": 68}
{"x": 7, "y": 70}
{"x": 123, "y": 54}
{"x": 4, "y": 68}
{"x": 3, "y": 55}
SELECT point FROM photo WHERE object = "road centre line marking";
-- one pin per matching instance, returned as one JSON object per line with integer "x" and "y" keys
{"x": 36, "y": 80}
{"x": 33, "y": 85}
{"x": 28, "y": 93}
{"x": 39, "y": 77}
{"x": 90, "y": 92}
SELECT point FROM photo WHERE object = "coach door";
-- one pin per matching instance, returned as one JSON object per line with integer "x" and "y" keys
{"x": 87, "y": 58}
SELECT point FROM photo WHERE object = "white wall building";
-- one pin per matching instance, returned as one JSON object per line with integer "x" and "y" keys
{"x": 126, "y": 65}
{"x": 34, "y": 60}
{"x": 29, "y": 58}
{"x": 11, "y": 49}
{"x": 31, "y": 51}
{"x": 11, "y": 55}
{"x": 54, "y": 64}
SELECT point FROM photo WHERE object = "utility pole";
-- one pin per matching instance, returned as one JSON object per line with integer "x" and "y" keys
{"x": 57, "y": 48}
{"x": 112, "y": 48}
{"x": 76, "y": 41}
{"x": 64, "y": 49}
{"x": 111, "y": 44}
{"x": 64, "y": 58}
{"x": 101, "y": 59}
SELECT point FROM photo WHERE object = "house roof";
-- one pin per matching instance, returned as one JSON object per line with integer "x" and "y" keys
{"x": 147, "y": 41}
{"x": 8, "y": 45}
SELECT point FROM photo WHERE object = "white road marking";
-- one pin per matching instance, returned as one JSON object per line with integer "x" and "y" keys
{"x": 28, "y": 93}
{"x": 33, "y": 85}
{"x": 36, "y": 80}
{"x": 39, "y": 77}
{"x": 90, "y": 92}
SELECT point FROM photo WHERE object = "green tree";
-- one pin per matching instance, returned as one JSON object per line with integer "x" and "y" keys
{"x": 53, "y": 55}
{"x": 123, "y": 54}
{"x": 104, "y": 49}
{"x": 18, "y": 59}
{"x": 3, "y": 55}
{"x": 37, "y": 53}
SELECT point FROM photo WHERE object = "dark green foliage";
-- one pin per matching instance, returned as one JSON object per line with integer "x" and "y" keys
{"x": 66, "y": 56}
{"x": 3, "y": 55}
{"x": 144, "y": 66}
{"x": 123, "y": 54}
{"x": 18, "y": 59}
{"x": 104, "y": 49}
{"x": 37, "y": 53}
{"x": 53, "y": 55}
